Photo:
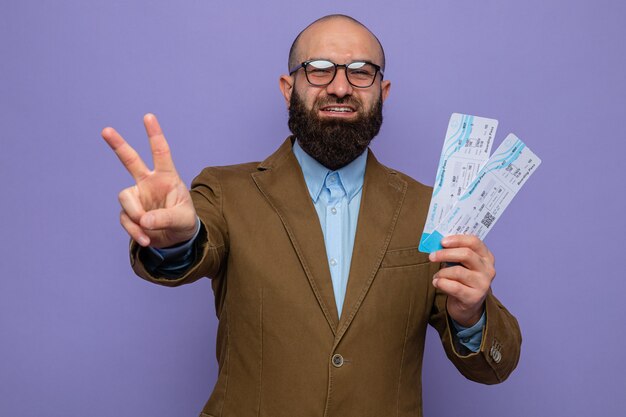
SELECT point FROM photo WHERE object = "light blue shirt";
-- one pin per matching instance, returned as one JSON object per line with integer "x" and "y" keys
{"x": 336, "y": 196}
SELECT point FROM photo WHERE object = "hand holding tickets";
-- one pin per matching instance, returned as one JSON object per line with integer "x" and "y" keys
{"x": 157, "y": 210}
{"x": 470, "y": 193}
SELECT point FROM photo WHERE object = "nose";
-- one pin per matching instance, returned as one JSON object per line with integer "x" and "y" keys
{"x": 340, "y": 86}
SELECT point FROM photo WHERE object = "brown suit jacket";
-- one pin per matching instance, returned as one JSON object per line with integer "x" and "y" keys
{"x": 281, "y": 347}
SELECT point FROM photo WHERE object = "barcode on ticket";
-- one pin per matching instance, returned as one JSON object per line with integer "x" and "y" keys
{"x": 488, "y": 219}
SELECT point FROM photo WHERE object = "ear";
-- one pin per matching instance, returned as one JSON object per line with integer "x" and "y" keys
{"x": 285, "y": 83}
{"x": 385, "y": 86}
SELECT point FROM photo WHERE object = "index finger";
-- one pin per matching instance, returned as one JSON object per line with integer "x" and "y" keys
{"x": 467, "y": 241}
{"x": 161, "y": 154}
{"x": 126, "y": 154}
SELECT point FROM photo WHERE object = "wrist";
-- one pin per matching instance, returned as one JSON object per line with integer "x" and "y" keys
{"x": 467, "y": 318}
{"x": 186, "y": 238}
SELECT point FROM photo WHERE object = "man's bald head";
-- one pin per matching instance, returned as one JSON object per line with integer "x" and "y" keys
{"x": 296, "y": 49}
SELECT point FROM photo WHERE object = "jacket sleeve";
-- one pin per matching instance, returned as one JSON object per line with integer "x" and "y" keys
{"x": 499, "y": 349}
{"x": 211, "y": 245}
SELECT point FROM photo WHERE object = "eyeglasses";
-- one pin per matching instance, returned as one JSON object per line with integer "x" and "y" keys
{"x": 321, "y": 72}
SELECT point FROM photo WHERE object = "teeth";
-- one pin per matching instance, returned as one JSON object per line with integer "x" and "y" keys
{"x": 339, "y": 109}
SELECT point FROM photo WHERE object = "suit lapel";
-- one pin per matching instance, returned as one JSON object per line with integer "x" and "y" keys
{"x": 383, "y": 194}
{"x": 281, "y": 181}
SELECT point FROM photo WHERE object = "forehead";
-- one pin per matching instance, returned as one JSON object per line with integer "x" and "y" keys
{"x": 339, "y": 40}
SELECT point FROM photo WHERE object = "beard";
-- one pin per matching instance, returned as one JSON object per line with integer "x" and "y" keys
{"x": 334, "y": 143}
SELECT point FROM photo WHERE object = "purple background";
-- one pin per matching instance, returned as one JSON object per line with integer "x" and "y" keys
{"x": 81, "y": 335}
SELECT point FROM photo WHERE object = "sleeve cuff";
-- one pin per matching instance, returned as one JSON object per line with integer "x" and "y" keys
{"x": 174, "y": 260}
{"x": 470, "y": 337}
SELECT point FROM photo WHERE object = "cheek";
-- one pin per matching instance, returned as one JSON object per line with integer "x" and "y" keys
{"x": 368, "y": 101}
{"x": 308, "y": 97}
{"x": 310, "y": 101}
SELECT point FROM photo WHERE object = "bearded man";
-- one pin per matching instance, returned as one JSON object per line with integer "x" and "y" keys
{"x": 321, "y": 294}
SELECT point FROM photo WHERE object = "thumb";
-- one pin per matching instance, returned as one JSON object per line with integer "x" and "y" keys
{"x": 175, "y": 219}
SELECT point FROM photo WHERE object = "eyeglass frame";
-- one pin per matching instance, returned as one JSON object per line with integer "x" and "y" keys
{"x": 345, "y": 67}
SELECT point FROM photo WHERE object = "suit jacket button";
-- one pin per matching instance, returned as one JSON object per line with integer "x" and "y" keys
{"x": 495, "y": 354}
{"x": 337, "y": 360}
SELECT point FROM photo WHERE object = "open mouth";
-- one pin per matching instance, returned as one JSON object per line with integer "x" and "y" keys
{"x": 337, "y": 110}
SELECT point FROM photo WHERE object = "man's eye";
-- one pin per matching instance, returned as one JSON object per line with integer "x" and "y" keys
{"x": 320, "y": 71}
{"x": 360, "y": 73}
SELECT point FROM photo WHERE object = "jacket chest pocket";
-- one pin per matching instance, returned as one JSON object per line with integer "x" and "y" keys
{"x": 405, "y": 257}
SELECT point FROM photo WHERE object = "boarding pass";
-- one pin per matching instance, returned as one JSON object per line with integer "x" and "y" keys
{"x": 482, "y": 202}
{"x": 466, "y": 148}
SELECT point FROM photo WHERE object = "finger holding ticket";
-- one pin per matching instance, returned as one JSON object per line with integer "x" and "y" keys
{"x": 466, "y": 283}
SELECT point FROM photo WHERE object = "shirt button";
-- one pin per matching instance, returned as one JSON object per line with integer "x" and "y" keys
{"x": 331, "y": 179}
{"x": 465, "y": 340}
{"x": 333, "y": 261}
{"x": 337, "y": 360}
{"x": 333, "y": 210}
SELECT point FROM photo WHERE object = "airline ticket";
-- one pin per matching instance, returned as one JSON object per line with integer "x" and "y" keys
{"x": 481, "y": 204}
{"x": 466, "y": 148}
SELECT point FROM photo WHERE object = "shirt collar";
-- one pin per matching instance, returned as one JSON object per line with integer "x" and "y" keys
{"x": 351, "y": 175}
